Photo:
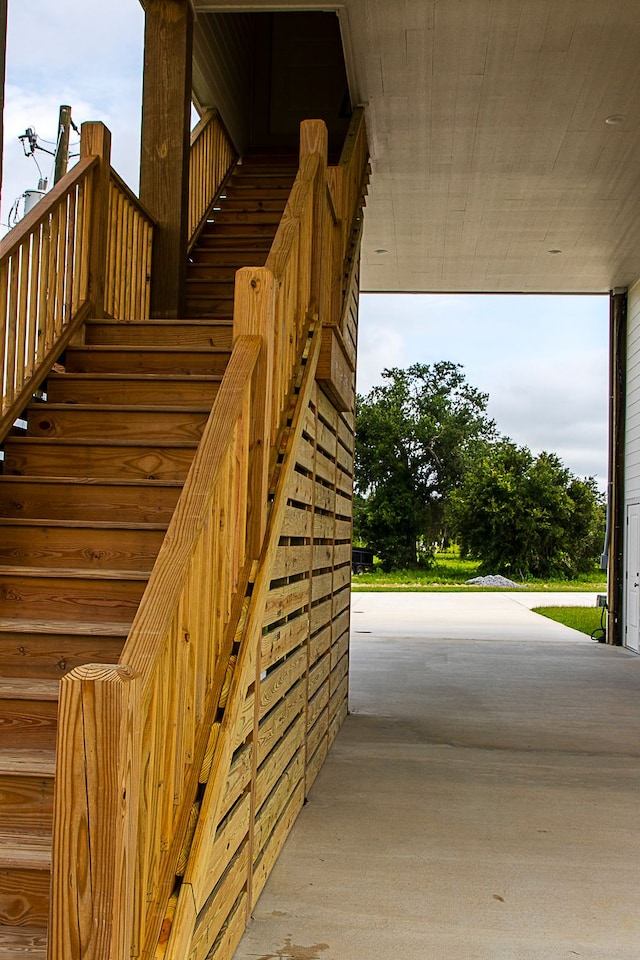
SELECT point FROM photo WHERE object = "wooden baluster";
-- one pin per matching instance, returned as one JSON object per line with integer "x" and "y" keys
{"x": 95, "y": 140}
{"x": 254, "y": 313}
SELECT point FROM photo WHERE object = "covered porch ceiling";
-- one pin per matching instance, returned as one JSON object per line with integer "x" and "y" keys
{"x": 505, "y": 141}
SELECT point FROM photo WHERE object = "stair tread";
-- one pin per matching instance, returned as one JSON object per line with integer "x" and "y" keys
{"x": 70, "y": 573}
{"x": 27, "y": 762}
{"x": 22, "y": 943}
{"x": 90, "y": 481}
{"x": 111, "y": 347}
{"x": 28, "y": 688}
{"x": 154, "y": 377}
{"x": 98, "y": 628}
{"x": 104, "y": 442}
{"x": 24, "y": 851}
{"x": 80, "y": 524}
{"x": 186, "y": 321}
{"x": 121, "y": 407}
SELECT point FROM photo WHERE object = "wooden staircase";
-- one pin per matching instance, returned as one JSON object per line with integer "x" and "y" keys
{"x": 89, "y": 486}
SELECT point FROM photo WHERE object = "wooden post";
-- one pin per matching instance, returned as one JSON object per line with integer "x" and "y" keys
{"x": 254, "y": 315}
{"x": 95, "y": 140}
{"x": 164, "y": 164}
{"x": 615, "y": 492}
{"x": 62, "y": 145}
{"x": 314, "y": 138}
{"x": 95, "y": 814}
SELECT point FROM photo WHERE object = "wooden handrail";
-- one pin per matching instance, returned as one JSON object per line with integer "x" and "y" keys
{"x": 211, "y": 160}
{"x": 44, "y": 282}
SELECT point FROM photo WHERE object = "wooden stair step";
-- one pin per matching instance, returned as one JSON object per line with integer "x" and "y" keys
{"x": 26, "y": 789}
{"x": 25, "y": 762}
{"x": 247, "y": 217}
{"x": 213, "y": 273}
{"x": 28, "y": 688}
{"x": 28, "y": 712}
{"x": 213, "y": 253}
{"x": 236, "y": 230}
{"x": 239, "y": 192}
{"x": 113, "y": 359}
{"x": 131, "y": 387}
{"x": 37, "y": 456}
{"x": 117, "y": 421}
{"x": 50, "y": 648}
{"x": 212, "y": 282}
{"x": 25, "y": 865}
{"x": 83, "y": 544}
{"x": 185, "y": 333}
{"x": 23, "y": 943}
{"x": 35, "y": 593}
{"x": 72, "y": 498}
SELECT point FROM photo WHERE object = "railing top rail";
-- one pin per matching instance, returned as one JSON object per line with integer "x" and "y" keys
{"x": 153, "y": 618}
{"x": 130, "y": 195}
{"x": 41, "y": 211}
{"x": 208, "y": 117}
{"x": 298, "y": 198}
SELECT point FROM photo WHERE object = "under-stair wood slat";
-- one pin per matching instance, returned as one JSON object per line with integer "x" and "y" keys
{"x": 209, "y": 816}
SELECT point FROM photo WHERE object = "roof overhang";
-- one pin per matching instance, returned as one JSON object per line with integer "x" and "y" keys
{"x": 505, "y": 141}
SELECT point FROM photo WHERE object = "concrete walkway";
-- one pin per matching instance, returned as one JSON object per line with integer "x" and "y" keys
{"x": 481, "y": 802}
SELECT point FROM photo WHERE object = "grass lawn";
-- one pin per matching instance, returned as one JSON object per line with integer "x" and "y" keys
{"x": 584, "y": 619}
{"x": 450, "y": 574}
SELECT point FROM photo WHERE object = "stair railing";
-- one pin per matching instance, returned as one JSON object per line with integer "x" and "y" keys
{"x": 54, "y": 273}
{"x": 211, "y": 160}
{"x": 132, "y": 737}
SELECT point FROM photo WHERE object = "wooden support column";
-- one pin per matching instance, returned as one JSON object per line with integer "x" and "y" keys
{"x": 615, "y": 492}
{"x": 164, "y": 163}
{"x": 95, "y": 141}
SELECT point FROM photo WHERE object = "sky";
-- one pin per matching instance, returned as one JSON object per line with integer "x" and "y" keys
{"x": 542, "y": 360}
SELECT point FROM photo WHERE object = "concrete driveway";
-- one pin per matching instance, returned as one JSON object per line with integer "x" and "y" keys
{"x": 481, "y": 801}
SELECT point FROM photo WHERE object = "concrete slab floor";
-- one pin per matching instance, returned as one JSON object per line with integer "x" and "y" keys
{"x": 481, "y": 801}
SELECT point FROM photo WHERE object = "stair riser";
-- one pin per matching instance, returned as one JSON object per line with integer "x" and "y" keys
{"x": 24, "y": 897}
{"x": 24, "y": 499}
{"x": 79, "y": 548}
{"x": 147, "y": 425}
{"x": 28, "y": 724}
{"x": 49, "y": 656}
{"x": 80, "y": 360}
{"x": 239, "y": 195}
{"x": 26, "y": 803}
{"x": 219, "y": 254}
{"x": 246, "y": 230}
{"x": 37, "y": 598}
{"x": 184, "y": 336}
{"x": 250, "y": 218}
{"x": 204, "y": 279}
{"x": 55, "y": 458}
{"x": 85, "y": 388}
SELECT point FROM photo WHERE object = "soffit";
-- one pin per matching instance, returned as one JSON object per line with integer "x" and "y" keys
{"x": 489, "y": 145}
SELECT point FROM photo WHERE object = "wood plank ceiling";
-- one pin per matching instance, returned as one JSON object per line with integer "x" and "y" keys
{"x": 500, "y": 130}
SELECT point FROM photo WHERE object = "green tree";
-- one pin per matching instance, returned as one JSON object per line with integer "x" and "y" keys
{"x": 527, "y": 516}
{"x": 413, "y": 434}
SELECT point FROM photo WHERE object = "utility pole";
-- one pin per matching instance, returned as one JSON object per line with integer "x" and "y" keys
{"x": 62, "y": 147}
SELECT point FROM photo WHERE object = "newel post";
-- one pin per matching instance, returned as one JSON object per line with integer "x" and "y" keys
{"x": 254, "y": 315}
{"x": 314, "y": 138}
{"x": 95, "y": 814}
{"x": 95, "y": 141}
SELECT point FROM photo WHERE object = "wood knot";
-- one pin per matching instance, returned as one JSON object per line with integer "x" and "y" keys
{"x": 254, "y": 283}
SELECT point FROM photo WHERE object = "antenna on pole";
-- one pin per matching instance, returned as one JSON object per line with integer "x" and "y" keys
{"x": 62, "y": 146}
